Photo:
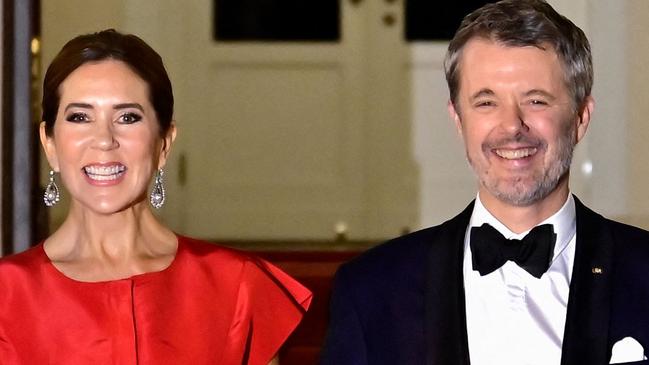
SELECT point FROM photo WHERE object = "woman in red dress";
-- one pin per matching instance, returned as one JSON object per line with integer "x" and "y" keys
{"x": 113, "y": 285}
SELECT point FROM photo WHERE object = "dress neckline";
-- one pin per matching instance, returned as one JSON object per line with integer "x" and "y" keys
{"x": 180, "y": 248}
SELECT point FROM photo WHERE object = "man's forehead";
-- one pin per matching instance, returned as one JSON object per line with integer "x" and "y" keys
{"x": 484, "y": 56}
{"x": 478, "y": 41}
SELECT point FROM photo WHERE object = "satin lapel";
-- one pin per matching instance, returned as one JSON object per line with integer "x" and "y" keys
{"x": 586, "y": 334}
{"x": 445, "y": 327}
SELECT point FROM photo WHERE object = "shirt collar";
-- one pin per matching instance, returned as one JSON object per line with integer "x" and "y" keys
{"x": 564, "y": 222}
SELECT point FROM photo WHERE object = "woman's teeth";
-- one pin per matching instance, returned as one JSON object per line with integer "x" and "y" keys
{"x": 103, "y": 173}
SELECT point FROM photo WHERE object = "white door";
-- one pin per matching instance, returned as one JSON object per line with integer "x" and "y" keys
{"x": 271, "y": 135}
{"x": 431, "y": 181}
{"x": 286, "y": 139}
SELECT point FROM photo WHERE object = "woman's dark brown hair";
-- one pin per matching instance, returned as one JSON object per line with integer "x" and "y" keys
{"x": 109, "y": 45}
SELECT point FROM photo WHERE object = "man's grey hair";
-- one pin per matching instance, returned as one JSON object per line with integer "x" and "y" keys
{"x": 520, "y": 23}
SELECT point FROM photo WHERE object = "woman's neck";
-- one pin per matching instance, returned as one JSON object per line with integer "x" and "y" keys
{"x": 96, "y": 246}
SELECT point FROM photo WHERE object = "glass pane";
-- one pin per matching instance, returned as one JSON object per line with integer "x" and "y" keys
{"x": 436, "y": 20}
{"x": 277, "y": 20}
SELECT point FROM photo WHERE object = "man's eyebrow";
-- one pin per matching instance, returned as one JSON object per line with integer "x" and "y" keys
{"x": 481, "y": 93}
{"x": 540, "y": 92}
{"x": 128, "y": 105}
{"x": 78, "y": 105}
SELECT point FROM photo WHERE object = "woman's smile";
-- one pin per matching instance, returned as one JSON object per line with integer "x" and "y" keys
{"x": 105, "y": 173}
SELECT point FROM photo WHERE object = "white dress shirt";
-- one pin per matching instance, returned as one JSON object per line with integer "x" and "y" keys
{"x": 514, "y": 318}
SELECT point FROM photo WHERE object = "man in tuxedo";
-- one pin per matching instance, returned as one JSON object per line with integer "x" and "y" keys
{"x": 526, "y": 274}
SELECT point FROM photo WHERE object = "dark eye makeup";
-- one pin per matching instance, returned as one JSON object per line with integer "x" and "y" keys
{"x": 130, "y": 118}
{"x": 77, "y": 117}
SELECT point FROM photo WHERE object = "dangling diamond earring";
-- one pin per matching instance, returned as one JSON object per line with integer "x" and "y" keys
{"x": 52, "y": 194}
{"x": 157, "y": 197}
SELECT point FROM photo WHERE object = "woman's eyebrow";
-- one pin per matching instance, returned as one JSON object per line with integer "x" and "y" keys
{"x": 128, "y": 105}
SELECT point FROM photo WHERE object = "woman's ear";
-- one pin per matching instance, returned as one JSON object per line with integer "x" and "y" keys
{"x": 49, "y": 147}
{"x": 167, "y": 141}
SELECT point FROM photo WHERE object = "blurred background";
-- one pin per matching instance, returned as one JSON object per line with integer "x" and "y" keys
{"x": 315, "y": 121}
{"x": 311, "y": 130}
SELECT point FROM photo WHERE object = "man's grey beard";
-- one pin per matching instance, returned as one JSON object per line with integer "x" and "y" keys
{"x": 521, "y": 195}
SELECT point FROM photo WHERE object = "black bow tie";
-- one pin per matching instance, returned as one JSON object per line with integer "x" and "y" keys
{"x": 490, "y": 250}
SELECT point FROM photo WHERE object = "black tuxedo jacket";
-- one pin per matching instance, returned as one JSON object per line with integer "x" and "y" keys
{"x": 402, "y": 302}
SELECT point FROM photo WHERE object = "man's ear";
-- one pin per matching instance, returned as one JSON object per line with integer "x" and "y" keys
{"x": 454, "y": 114}
{"x": 167, "y": 141}
{"x": 583, "y": 118}
{"x": 49, "y": 148}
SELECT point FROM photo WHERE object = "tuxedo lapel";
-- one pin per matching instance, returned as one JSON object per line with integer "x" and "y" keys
{"x": 445, "y": 327}
{"x": 586, "y": 334}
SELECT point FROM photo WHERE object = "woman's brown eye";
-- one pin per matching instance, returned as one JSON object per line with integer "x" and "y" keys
{"x": 130, "y": 118}
{"x": 77, "y": 117}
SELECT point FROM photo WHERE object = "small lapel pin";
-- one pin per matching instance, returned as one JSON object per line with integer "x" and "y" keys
{"x": 597, "y": 270}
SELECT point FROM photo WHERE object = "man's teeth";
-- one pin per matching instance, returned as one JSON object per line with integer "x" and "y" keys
{"x": 515, "y": 154}
{"x": 104, "y": 172}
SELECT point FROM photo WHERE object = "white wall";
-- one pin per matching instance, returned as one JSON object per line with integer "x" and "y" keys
{"x": 637, "y": 143}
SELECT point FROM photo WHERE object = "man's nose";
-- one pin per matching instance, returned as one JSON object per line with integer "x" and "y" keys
{"x": 513, "y": 119}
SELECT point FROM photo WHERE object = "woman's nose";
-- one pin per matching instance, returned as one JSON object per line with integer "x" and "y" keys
{"x": 105, "y": 136}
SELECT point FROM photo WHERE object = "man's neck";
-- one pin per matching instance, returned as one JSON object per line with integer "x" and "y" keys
{"x": 523, "y": 218}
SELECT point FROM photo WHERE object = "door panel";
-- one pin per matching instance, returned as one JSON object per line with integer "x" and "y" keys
{"x": 273, "y": 137}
